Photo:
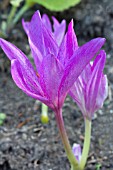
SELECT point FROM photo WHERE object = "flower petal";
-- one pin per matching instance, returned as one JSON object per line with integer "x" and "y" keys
{"x": 102, "y": 92}
{"x": 94, "y": 83}
{"x": 77, "y": 63}
{"x": 12, "y": 51}
{"x": 50, "y": 75}
{"x": 78, "y": 90}
{"x": 59, "y": 30}
{"x": 25, "y": 26}
{"x": 29, "y": 80}
{"x": 27, "y": 71}
{"x": 40, "y": 39}
{"x": 77, "y": 151}
{"x": 68, "y": 45}
{"x": 35, "y": 51}
{"x": 47, "y": 22}
{"x": 25, "y": 83}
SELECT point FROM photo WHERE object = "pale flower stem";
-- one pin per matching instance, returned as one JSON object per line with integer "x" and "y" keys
{"x": 22, "y": 10}
{"x": 11, "y": 15}
{"x": 65, "y": 141}
{"x": 20, "y": 13}
{"x": 86, "y": 146}
{"x": 44, "y": 110}
{"x": 44, "y": 113}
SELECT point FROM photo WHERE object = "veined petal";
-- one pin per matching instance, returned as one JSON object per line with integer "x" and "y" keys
{"x": 94, "y": 83}
{"x": 25, "y": 26}
{"x": 102, "y": 92}
{"x": 24, "y": 79}
{"x": 78, "y": 90}
{"x": 59, "y": 30}
{"x": 13, "y": 52}
{"x": 55, "y": 23}
{"x": 35, "y": 51}
{"x": 86, "y": 73}
{"x": 90, "y": 89}
{"x": 68, "y": 45}
{"x": 40, "y": 39}
{"x": 47, "y": 22}
{"x": 50, "y": 75}
{"x": 77, "y": 63}
{"x": 20, "y": 77}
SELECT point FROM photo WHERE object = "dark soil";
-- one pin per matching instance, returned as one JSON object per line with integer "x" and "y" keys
{"x": 27, "y": 144}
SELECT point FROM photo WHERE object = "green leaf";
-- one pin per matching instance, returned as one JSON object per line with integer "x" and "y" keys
{"x": 30, "y": 3}
{"x": 57, "y": 5}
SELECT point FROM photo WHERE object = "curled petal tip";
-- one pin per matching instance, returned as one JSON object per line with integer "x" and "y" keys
{"x": 102, "y": 39}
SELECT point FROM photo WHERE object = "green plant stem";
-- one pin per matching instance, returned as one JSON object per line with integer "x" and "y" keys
{"x": 20, "y": 13}
{"x": 11, "y": 15}
{"x": 86, "y": 146}
{"x": 65, "y": 141}
{"x": 44, "y": 109}
{"x": 44, "y": 114}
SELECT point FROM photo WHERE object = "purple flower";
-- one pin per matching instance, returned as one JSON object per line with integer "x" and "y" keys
{"x": 58, "y": 28}
{"x": 91, "y": 88}
{"x": 57, "y": 67}
{"x": 57, "y": 31}
{"x": 77, "y": 151}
